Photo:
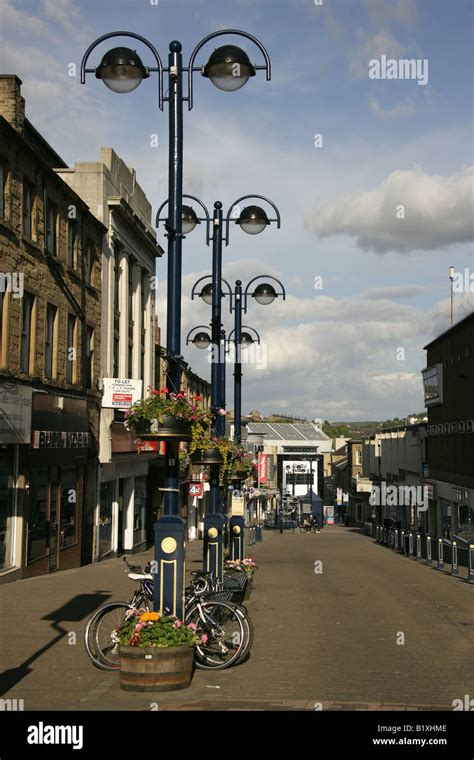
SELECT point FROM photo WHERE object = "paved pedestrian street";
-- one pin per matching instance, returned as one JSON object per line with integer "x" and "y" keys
{"x": 325, "y": 634}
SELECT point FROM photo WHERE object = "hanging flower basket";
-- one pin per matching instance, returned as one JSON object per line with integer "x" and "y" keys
{"x": 207, "y": 456}
{"x": 169, "y": 429}
{"x": 166, "y": 416}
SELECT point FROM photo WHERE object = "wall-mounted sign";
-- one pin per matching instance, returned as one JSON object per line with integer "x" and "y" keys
{"x": 55, "y": 439}
{"x": 15, "y": 413}
{"x": 195, "y": 489}
{"x": 262, "y": 468}
{"x": 121, "y": 393}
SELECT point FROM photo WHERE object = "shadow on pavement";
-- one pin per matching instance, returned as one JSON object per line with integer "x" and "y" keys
{"x": 75, "y": 610}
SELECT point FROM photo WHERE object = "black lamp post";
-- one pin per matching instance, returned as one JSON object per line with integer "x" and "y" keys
{"x": 122, "y": 70}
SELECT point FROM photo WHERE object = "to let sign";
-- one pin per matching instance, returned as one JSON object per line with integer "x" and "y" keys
{"x": 121, "y": 393}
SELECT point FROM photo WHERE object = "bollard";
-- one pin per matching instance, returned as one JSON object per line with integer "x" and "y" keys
{"x": 261, "y": 532}
{"x": 410, "y": 544}
{"x": 429, "y": 559}
{"x": 403, "y": 542}
{"x": 376, "y": 532}
{"x": 396, "y": 540}
{"x": 440, "y": 564}
{"x": 418, "y": 547}
{"x": 470, "y": 573}
{"x": 454, "y": 559}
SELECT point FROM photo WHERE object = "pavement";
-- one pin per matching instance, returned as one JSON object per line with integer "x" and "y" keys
{"x": 341, "y": 623}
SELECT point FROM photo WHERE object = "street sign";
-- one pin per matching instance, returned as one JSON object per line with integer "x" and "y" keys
{"x": 195, "y": 489}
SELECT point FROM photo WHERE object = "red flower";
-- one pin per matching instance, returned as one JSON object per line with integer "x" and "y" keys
{"x": 164, "y": 390}
{"x": 198, "y": 398}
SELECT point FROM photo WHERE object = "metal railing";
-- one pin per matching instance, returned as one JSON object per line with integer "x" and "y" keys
{"x": 441, "y": 553}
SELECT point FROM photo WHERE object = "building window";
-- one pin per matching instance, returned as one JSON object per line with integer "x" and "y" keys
{"x": 116, "y": 367}
{"x": 89, "y": 263}
{"x": 3, "y": 179}
{"x": 143, "y": 292}
{"x": 139, "y": 511}
{"x": 433, "y": 384}
{"x": 6, "y": 510}
{"x": 50, "y": 341}
{"x": 51, "y": 228}
{"x": 3, "y": 328}
{"x": 68, "y": 517}
{"x": 26, "y": 345}
{"x": 358, "y": 457}
{"x": 72, "y": 243}
{"x": 38, "y": 514}
{"x": 71, "y": 349}
{"x": 130, "y": 318}
{"x": 28, "y": 202}
{"x": 89, "y": 356}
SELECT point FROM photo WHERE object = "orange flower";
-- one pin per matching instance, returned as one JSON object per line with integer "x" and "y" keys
{"x": 149, "y": 616}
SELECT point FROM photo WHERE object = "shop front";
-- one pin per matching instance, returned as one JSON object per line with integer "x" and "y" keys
{"x": 60, "y": 471}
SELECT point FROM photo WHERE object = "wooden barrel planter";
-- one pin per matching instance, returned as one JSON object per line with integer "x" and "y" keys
{"x": 155, "y": 668}
{"x": 170, "y": 429}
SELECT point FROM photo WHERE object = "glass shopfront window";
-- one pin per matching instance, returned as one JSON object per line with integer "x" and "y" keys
{"x": 68, "y": 522}
{"x": 38, "y": 514}
{"x": 6, "y": 512}
{"x": 139, "y": 511}
{"x": 105, "y": 518}
{"x": 466, "y": 521}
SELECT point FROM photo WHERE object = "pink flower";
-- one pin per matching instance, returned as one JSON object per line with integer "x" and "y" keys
{"x": 192, "y": 626}
{"x": 204, "y": 638}
{"x": 222, "y": 412}
{"x": 177, "y": 624}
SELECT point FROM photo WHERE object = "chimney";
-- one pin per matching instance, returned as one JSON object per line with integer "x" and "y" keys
{"x": 12, "y": 104}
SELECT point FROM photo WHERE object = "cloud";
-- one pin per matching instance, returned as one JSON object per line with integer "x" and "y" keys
{"x": 19, "y": 21}
{"x": 394, "y": 292}
{"x": 437, "y": 213}
{"x": 399, "y": 111}
{"x": 399, "y": 11}
{"x": 372, "y": 46}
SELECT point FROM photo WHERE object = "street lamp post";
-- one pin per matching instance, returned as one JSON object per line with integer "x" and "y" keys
{"x": 122, "y": 70}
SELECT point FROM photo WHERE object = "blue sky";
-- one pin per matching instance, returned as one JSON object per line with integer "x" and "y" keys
{"x": 330, "y": 352}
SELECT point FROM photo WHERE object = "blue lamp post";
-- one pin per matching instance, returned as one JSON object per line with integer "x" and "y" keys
{"x": 264, "y": 293}
{"x": 122, "y": 70}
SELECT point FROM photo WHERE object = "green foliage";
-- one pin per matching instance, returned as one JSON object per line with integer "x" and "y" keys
{"x": 150, "y": 629}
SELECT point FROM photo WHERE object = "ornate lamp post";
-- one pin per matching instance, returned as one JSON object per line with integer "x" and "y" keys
{"x": 122, "y": 70}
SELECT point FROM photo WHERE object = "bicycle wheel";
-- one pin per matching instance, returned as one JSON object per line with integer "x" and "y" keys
{"x": 248, "y": 633}
{"x": 226, "y": 635}
{"x": 99, "y": 638}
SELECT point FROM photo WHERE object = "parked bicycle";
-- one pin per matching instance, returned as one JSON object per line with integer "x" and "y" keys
{"x": 227, "y": 626}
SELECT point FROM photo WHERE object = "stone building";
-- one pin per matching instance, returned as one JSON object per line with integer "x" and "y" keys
{"x": 122, "y": 514}
{"x": 50, "y": 343}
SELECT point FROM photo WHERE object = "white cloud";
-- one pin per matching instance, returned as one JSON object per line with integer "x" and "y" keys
{"x": 401, "y": 110}
{"x": 372, "y": 46}
{"x": 438, "y": 212}
{"x": 394, "y": 292}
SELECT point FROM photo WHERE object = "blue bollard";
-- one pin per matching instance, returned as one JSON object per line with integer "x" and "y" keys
{"x": 470, "y": 574}
{"x": 454, "y": 559}
{"x": 440, "y": 564}
{"x": 429, "y": 559}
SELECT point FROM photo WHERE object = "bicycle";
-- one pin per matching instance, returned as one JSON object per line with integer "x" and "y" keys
{"x": 227, "y": 627}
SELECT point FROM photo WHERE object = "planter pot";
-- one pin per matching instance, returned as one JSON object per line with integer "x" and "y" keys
{"x": 155, "y": 668}
{"x": 248, "y": 588}
{"x": 207, "y": 456}
{"x": 170, "y": 429}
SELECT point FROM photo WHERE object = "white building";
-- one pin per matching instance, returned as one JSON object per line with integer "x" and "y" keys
{"x": 113, "y": 194}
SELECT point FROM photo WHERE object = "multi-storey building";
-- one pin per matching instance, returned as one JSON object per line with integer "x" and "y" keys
{"x": 129, "y": 256}
{"x": 448, "y": 385}
{"x": 50, "y": 344}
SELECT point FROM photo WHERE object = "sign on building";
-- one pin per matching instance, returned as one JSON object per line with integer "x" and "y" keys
{"x": 121, "y": 393}
{"x": 262, "y": 468}
{"x": 15, "y": 413}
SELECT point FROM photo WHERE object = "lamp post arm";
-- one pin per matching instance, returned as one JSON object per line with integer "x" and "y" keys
{"x": 134, "y": 36}
{"x": 239, "y": 33}
{"x": 244, "y": 198}
{"x": 261, "y": 277}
